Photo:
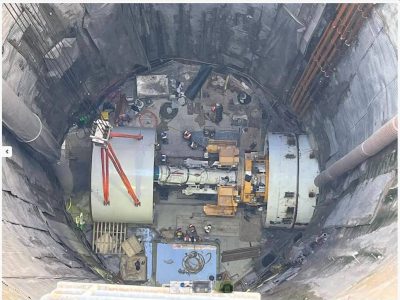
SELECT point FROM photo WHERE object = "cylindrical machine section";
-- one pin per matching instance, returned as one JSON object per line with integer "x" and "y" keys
{"x": 172, "y": 175}
{"x": 137, "y": 160}
{"x": 27, "y": 126}
{"x": 166, "y": 175}
{"x": 198, "y": 81}
{"x": 371, "y": 146}
{"x": 211, "y": 177}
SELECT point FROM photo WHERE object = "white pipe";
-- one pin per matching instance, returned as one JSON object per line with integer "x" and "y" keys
{"x": 27, "y": 126}
{"x": 371, "y": 146}
{"x": 186, "y": 176}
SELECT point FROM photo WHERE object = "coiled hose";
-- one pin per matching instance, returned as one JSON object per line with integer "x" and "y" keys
{"x": 193, "y": 263}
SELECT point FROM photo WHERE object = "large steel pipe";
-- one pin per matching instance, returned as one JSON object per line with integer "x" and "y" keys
{"x": 371, "y": 146}
{"x": 316, "y": 57}
{"x": 27, "y": 126}
{"x": 338, "y": 33}
{"x": 198, "y": 82}
{"x": 346, "y": 38}
{"x": 322, "y": 60}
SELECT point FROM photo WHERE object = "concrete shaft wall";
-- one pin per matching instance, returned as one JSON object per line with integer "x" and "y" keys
{"x": 106, "y": 42}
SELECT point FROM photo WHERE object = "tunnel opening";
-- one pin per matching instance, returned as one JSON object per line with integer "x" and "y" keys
{"x": 231, "y": 200}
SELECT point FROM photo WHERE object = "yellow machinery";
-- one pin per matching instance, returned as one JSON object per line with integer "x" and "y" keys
{"x": 227, "y": 151}
{"x": 252, "y": 184}
{"x": 226, "y": 205}
{"x": 253, "y": 179}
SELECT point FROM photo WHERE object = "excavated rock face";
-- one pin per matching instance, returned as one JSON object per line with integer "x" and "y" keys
{"x": 64, "y": 57}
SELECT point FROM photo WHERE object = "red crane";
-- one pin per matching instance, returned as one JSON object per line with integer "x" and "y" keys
{"x": 107, "y": 152}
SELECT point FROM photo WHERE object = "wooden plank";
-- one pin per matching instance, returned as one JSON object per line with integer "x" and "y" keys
{"x": 222, "y": 142}
{"x": 219, "y": 211}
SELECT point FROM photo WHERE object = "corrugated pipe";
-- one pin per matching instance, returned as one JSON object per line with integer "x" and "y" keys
{"x": 383, "y": 137}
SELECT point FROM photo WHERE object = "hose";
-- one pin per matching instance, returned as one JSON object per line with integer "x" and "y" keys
{"x": 193, "y": 263}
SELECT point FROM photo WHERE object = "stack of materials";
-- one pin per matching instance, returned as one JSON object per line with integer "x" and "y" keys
{"x": 133, "y": 263}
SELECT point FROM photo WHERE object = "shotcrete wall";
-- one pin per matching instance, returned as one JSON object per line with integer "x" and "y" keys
{"x": 108, "y": 42}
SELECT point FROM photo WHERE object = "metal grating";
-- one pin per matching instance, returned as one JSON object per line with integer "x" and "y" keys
{"x": 108, "y": 237}
{"x": 241, "y": 253}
